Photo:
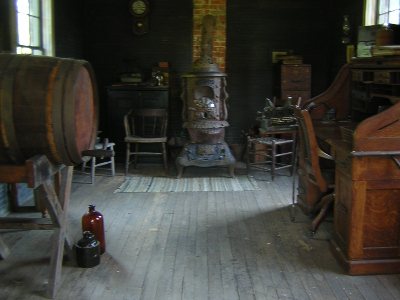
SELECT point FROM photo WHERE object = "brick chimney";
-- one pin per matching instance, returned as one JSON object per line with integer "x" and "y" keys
{"x": 215, "y": 8}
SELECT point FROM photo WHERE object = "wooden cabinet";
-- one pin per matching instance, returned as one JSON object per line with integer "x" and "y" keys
{"x": 295, "y": 81}
{"x": 123, "y": 98}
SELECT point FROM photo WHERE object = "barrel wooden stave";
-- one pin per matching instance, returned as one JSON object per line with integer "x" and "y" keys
{"x": 47, "y": 106}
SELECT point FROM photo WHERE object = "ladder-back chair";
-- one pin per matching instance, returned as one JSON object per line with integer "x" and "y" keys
{"x": 99, "y": 160}
{"x": 145, "y": 126}
{"x": 269, "y": 154}
{"x": 314, "y": 182}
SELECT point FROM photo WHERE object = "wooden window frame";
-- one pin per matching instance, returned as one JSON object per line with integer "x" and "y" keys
{"x": 372, "y": 13}
{"x": 46, "y": 40}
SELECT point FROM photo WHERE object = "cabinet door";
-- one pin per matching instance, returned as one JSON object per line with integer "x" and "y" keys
{"x": 128, "y": 99}
{"x": 153, "y": 99}
{"x": 381, "y": 227}
{"x": 366, "y": 212}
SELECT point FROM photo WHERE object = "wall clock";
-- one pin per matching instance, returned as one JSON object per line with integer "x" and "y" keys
{"x": 139, "y": 9}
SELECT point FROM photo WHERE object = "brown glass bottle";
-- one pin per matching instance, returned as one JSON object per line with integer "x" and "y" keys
{"x": 93, "y": 221}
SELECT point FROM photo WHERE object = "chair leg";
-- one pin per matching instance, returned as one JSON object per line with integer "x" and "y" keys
{"x": 92, "y": 169}
{"x": 324, "y": 205}
{"x": 164, "y": 151}
{"x": 83, "y": 166}
{"x": 248, "y": 156}
{"x": 273, "y": 160}
{"x": 135, "y": 156}
{"x": 112, "y": 166}
{"x": 112, "y": 162}
{"x": 293, "y": 156}
{"x": 128, "y": 149}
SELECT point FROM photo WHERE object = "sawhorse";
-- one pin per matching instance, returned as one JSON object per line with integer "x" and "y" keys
{"x": 52, "y": 186}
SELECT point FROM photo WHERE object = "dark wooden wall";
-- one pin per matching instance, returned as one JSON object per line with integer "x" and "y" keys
{"x": 69, "y": 19}
{"x": 112, "y": 48}
{"x": 256, "y": 28}
{"x": 5, "y": 34}
{"x": 100, "y": 32}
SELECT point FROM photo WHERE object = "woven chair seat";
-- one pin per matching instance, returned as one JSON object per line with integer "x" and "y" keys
{"x": 271, "y": 140}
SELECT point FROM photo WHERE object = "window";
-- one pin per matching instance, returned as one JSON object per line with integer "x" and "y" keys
{"x": 382, "y": 11}
{"x": 388, "y": 11}
{"x": 34, "y": 27}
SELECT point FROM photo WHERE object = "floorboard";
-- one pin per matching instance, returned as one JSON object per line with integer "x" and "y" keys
{"x": 204, "y": 245}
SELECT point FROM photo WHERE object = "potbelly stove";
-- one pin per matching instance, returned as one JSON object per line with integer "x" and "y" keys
{"x": 204, "y": 110}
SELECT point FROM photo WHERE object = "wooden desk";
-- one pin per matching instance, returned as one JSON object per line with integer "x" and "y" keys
{"x": 329, "y": 135}
{"x": 367, "y": 187}
{"x": 327, "y": 131}
{"x": 367, "y": 205}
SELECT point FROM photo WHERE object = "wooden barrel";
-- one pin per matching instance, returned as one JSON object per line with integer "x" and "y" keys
{"x": 48, "y": 106}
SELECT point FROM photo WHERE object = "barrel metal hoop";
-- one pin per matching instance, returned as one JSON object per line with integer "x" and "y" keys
{"x": 48, "y": 106}
{"x": 9, "y": 137}
{"x": 71, "y": 108}
{"x": 51, "y": 124}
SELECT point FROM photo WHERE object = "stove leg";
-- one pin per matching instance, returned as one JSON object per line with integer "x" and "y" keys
{"x": 232, "y": 170}
{"x": 180, "y": 171}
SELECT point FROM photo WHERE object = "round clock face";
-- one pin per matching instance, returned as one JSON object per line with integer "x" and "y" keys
{"x": 138, "y": 7}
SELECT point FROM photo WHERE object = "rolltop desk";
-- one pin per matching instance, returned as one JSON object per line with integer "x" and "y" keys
{"x": 364, "y": 139}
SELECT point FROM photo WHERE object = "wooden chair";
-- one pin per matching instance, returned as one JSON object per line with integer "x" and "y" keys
{"x": 99, "y": 160}
{"x": 145, "y": 126}
{"x": 274, "y": 147}
{"x": 269, "y": 153}
{"x": 319, "y": 182}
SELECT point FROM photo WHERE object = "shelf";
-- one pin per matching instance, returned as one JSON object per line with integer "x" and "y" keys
{"x": 393, "y": 99}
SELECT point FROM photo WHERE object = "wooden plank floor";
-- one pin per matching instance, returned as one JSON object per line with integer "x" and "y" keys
{"x": 204, "y": 245}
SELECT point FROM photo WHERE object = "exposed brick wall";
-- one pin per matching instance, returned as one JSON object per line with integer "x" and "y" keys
{"x": 216, "y": 8}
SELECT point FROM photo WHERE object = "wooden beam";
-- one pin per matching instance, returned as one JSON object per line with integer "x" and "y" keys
{"x": 4, "y": 250}
{"x": 26, "y": 223}
{"x": 52, "y": 185}
{"x": 35, "y": 171}
{"x": 57, "y": 206}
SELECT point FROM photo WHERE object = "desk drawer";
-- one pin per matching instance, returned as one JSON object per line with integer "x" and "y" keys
{"x": 377, "y": 168}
